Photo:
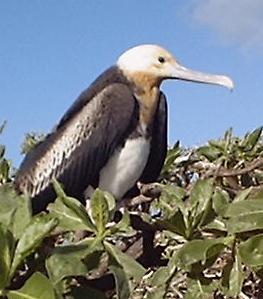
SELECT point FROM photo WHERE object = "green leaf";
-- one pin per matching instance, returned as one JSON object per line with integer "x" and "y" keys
{"x": 15, "y": 212}
{"x": 244, "y": 216}
{"x": 236, "y": 277}
{"x": 132, "y": 268}
{"x": 8, "y": 199}
{"x": 36, "y": 287}
{"x": 7, "y": 244}
{"x": 39, "y": 228}
{"x": 172, "y": 154}
{"x": 2, "y": 150}
{"x": 245, "y": 223}
{"x": 244, "y": 207}
{"x": 220, "y": 201}
{"x": 4, "y": 170}
{"x": 156, "y": 292}
{"x": 122, "y": 267}
{"x": 99, "y": 210}
{"x": 210, "y": 152}
{"x": 200, "y": 204}
{"x": 121, "y": 280}
{"x": 110, "y": 200}
{"x": 200, "y": 288}
{"x": 175, "y": 224}
{"x": 200, "y": 251}
{"x": 160, "y": 282}
{"x": 251, "y": 139}
{"x": 243, "y": 195}
{"x": 232, "y": 276}
{"x": 173, "y": 197}
{"x": 71, "y": 260}
{"x": 217, "y": 224}
{"x": 201, "y": 194}
{"x": 160, "y": 276}
{"x": 218, "y": 144}
{"x": 22, "y": 216}
{"x": 2, "y": 126}
{"x": 71, "y": 213}
{"x": 228, "y": 138}
{"x": 251, "y": 251}
{"x": 30, "y": 141}
{"x": 123, "y": 225}
{"x": 258, "y": 194}
{"x": 69, "y": 218}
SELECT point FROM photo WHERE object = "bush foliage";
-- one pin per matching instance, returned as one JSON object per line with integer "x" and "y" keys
{"x": 205, "y": 216}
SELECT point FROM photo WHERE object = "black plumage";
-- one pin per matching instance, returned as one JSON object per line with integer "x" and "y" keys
{"x": 115, "y": 133}
{"x": 99, "y": 121}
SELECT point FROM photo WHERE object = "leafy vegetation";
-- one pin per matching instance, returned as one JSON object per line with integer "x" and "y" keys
{"x": 205, "y": 216}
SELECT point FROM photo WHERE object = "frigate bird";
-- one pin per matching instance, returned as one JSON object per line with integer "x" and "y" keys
{"x": 114, "y": 134}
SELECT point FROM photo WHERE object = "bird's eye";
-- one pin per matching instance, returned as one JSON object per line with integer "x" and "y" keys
{"x": 161, "y": 59}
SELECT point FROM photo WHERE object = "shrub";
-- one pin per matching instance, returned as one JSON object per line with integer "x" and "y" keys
{"x": 205, "y": 216}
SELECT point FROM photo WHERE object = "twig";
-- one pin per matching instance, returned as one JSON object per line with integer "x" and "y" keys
{"x": 152, "y": 190}
{"x": 244, "y": 296}
{"x": 138, "y": 200}
{"x": 222, "y": 172}
{"x": 148, "y": 193}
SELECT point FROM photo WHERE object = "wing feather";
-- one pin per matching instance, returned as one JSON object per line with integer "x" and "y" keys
{"x": 158, "y": 144}
{"x": 80, "y": 146}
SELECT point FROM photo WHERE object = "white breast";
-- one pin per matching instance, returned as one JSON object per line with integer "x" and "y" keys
{"x": 125, "y": 167}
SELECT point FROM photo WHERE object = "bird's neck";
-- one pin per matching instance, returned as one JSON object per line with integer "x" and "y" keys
{"x": 148, "y": 103}
{"x": 147, "y": 93}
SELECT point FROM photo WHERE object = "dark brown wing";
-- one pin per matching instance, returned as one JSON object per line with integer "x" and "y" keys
{"x": 158, "y": 144}
{"x": 80, "y": 146}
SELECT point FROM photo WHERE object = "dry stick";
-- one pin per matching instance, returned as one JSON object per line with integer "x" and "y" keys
{"x": 222, "y": 172}
{"x": 138, "y": 200}
{"x": 152, "y": 190}
{"x": 148, "y": 193}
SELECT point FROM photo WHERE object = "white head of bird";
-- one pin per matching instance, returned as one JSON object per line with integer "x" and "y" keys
{"x": 158, "y": 63}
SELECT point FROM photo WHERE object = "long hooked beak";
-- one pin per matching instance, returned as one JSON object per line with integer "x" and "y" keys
{"x": 182, "y": 73}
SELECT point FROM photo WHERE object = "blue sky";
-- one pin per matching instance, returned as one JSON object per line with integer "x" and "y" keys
{"x": 51, "y": 50}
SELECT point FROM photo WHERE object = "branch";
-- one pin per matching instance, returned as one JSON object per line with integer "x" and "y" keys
{"x": 223, "y": 172}
{"x": 152, "y": 190}
{"x": 147, "y": 193}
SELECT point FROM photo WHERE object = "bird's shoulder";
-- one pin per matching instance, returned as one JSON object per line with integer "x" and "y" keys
{"x": 110, "y": 85}
{"x": 96, "y": 120}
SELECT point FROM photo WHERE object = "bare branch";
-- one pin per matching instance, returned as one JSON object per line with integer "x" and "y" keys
{"x": 222, "y": 172}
